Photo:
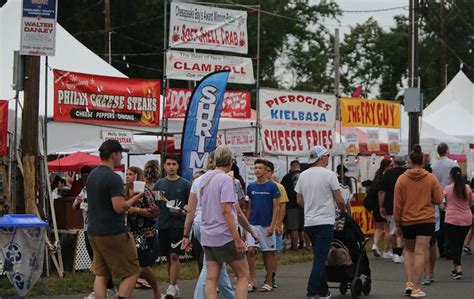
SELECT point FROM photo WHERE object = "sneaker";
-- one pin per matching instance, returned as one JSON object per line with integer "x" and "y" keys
{"x": 90, "y": 296}
{"x": 418, "y": 293}
{"x": 376, "y": 250}
{"x": 408, "y": 288}
{"x": 172, "y": 292}
{"x": 426, "y": 281}
{"x": 112, "y": 293}
{"x": 387, "y": 255}
{"x": 467, "y": 249}
{"x": 453, "y": 273}
{"x": 326, "y": 297}
{"x": 397, "y": 259}
{"x": 458, "y": 275}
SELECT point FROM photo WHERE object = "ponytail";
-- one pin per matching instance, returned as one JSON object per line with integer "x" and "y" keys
{"x": 459, "y": 186}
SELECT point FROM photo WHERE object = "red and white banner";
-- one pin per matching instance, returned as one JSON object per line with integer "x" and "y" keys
{"x": 3, "y": 127}
{"x": 236, "y": 103}
{"x": 241, "y": 141}
{"x": 292, "y": 122}
{"x": 182, "y": 65}
{"x": 106, "y": 100}
{"x": 210, "y": 28}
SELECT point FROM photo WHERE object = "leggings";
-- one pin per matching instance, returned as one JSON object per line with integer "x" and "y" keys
{"x": 455, "y": 239}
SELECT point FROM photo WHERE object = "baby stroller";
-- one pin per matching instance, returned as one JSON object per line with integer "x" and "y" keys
{"x": 349, "y": 272}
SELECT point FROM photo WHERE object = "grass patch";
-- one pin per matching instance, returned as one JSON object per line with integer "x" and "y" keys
{"x": 82, "y": 282}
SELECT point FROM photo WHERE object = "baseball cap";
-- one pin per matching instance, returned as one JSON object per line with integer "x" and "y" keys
{"x": 400, "y": 159}
{"x": 317, "y": 152}
{"x": 112, "y": 146}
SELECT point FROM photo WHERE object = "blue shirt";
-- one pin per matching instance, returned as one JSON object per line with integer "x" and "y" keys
{"x": 262, "y": 196}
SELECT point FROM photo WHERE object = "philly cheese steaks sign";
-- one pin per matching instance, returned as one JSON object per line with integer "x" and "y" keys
{"x": 106, "y": 100}
{"x": 292, "y": 122}
{"x": 210, "y": 28}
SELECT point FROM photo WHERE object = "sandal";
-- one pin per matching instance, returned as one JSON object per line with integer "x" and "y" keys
{"x": 408, "y": 288}
{"x": 417, "y": 293}
{"x": 251, "y": 288}
{"x": 265, "y": 288}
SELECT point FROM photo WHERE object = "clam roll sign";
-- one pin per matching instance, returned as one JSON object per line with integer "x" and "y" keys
{"x": 292, "y": 122}
{"x": 202, "y": 122}
{"x": 194, "y": 66}
{"x": 209, "y": 28}
{"x": 38, "y": 27}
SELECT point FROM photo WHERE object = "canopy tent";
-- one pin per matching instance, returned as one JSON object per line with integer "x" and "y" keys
{"x": 453, "y": 109}
{"x": 75, "y": 162}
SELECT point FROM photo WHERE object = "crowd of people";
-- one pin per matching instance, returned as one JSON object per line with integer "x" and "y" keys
{"x": 222, "y": 221}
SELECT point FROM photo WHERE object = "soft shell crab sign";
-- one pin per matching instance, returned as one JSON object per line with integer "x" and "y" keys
{"x": 292, "y": 121}
{"x": 202, "y": 122}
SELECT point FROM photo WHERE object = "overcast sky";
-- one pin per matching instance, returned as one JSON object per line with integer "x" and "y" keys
{"x": 384, "y": 18}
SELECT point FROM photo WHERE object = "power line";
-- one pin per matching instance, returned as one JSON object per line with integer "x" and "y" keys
{"x": 375, "y": 10}
{"x": 137, "y": 41}
{"x": 137, "y": 65}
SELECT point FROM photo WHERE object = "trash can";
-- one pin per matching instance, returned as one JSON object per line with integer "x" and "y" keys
{"x": 22, "y": 242}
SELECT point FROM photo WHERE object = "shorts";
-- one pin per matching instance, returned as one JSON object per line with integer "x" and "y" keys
{"x": 295, "y": 219}
{"x": 148, "y": 256}
{"x": 393, "y": 229}
{"x": 169, "y": 239}
{"x": 410, "y": 232}
{"x": 265, "y": 243}
{"x": 377, "y": 217}
{"x": 114, "y": 256}
{"x": 223, "y": 254}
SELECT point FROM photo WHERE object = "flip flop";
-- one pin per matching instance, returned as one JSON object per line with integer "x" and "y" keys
{"x": 251, "y": 288}
{"x": 265, "y": 288}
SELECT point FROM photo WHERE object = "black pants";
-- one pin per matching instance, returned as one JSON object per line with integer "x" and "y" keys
{"x": 455, "y": 235}
{"x": 110, "y": 283}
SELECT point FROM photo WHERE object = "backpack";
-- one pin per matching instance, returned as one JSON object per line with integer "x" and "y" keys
{"x": 371, "y": 199}
{"x": 339, "y": 255}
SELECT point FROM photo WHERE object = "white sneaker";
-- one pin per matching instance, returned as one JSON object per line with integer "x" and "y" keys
{"x": 90, "y": 296}
{"x": 173, "y": 291}
{"x": 112, "y": 293}
{"x": 397, "y": 259}
{"x": 387, "y": 255}
{"x": 376, "y": 250}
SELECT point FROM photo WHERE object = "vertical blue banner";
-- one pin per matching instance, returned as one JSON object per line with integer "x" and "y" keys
{"x": 201, "y": 122}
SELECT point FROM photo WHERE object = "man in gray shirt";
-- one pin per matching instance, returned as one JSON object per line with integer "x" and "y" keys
{"x": 171, "y": 222}
{"x": 115, "y": 253}
{"x": 441, "y": 169}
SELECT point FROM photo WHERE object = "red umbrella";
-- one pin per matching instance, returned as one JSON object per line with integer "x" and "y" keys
{"x": 75, "y": 162}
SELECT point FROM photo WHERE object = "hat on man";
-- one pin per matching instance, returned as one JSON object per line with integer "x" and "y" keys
{"x": 112, "y": 146}
{"x": 316, "y": 153}
{"x": 400, "y": 159}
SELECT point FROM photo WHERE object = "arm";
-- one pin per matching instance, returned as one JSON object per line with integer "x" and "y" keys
{"x": 245, "y": 223}
{"x": 381, "y": 196}
{"x": 249, "y": 209}
{"x": 300, "y": 199}
{"x": 276, "y": 208}
{"x": 227, "y": 212}
{"x": 281, "y": 216}
{"x": 436, "y": 192}
{"x": 397, "y": 204}
{"x": 121, "y": 205}
{"x": 77, "y": 202}
{"x": 192, "y": 203}
{"x": 339, "y": 200}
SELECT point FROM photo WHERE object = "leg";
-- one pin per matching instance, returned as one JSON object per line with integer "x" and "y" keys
{"x": 199, "y": 291}
{"x": 441, "y": 235}
{"x": 251, "y": 257}
{"x": 127, "y": 286}
{"x": 294, "y": 236}
{"x": 432, "y": 260}
{"x": 174, "y": 268}
{"x": 241, "y": 271}
{"x": 321, "y": 237}
{"x": 225, "y": 286}
{"x": 387, "y": 237}
{"x": 150, "y": 277}
{"x": 377, "y": 235}
{"x": 409, "y": 259}
{"x": 421, "y": 248}
{"x": 100, "y": 287}
{"x": 213, "y": 272}
{"x": 269, "y": 259}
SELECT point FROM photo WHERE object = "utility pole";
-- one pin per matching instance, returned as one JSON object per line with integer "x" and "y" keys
{"x": 29, "y": 134}
{"x": 107, "y": 37}
{"x": 444, "y": 65}
{"x": 413, "y": 73}
{"x": 337, "y": 62}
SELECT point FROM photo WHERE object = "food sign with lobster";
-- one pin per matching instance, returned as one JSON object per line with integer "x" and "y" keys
{"x": 97, "y": 99}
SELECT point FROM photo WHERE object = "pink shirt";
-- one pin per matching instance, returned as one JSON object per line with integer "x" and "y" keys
{"x": 458, "y": 210}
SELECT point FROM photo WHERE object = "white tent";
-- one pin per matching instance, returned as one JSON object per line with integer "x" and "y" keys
{"x": 453, "y": 109}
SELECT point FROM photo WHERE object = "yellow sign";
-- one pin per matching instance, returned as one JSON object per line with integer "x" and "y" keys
{"x": 370, "y": 113}
{"x": 364, "y": 219}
